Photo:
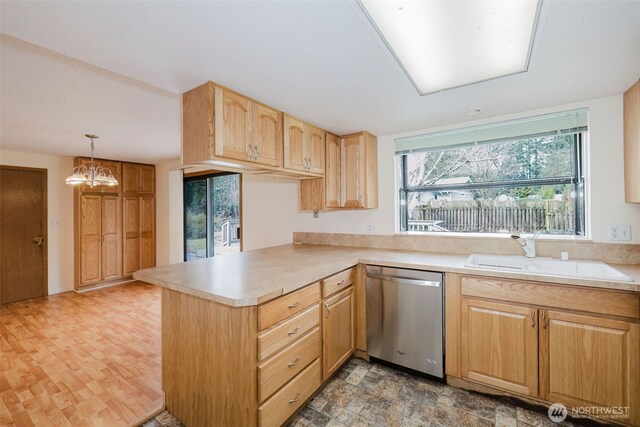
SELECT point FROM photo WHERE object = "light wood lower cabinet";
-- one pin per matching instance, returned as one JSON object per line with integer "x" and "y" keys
{"x": 589, "y": 361}
{"x": 582, "y": 352}
{"x": 338, "y": 331}
{"x": 499, "y": 345}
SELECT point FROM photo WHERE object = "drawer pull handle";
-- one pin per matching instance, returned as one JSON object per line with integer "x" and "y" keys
{"x": 341, "y": 282}
{"x": 296, "y": 398}
{"x": 328, "y": 309}
{"x": 295, "y": 362}
{"x": 295, "y": 331}
{"x": 297, "y": 303}
{"x": 544, "y": 320}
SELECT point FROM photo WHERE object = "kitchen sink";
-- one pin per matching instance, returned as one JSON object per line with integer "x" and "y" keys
{"x": 548, "y": 266}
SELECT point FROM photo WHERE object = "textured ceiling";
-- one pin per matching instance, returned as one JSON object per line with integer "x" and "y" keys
{"x": 319, "y": 60}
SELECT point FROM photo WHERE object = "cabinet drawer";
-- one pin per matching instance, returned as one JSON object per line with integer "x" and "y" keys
{"x": 272, "y": 312}
{"x": 285, "y": 365}
{"x": 590, "y": 300}
{"x": 338, "y": 282}
{"x": 288, "y": 331}
{"x": 291, "y": 397}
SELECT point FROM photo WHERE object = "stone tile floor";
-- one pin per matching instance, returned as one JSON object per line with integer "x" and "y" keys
{"x": 369, "y": 394}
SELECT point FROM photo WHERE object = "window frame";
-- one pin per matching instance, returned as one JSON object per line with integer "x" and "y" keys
{"x": 579, "y": 154}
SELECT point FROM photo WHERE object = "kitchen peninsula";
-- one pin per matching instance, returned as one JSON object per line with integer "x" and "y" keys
{"x": 248, "y": 338}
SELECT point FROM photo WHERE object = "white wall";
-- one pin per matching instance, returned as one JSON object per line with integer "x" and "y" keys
{"x": 606, "y": 177}
{"x": 168, "y": 238}
{"x": 59, "y": 210}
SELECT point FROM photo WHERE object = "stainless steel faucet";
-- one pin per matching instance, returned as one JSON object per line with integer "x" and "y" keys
{"x": 529, "y": 245}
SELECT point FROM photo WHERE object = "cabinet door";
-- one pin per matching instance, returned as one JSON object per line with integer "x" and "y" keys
{"x": 111, "y": 253}
{"x": 267, "y": 135}
{"x": 295, "y": 156}
{"x": 147, "y": 179}
{"x": 130, "y": 178}
{"x": 332, "y": 172}
{"x": 590, "y": 361}
{"x": 114, "y": 168}
{"x": 131, "y": 234}
{"x": 147, "y": 232}
{"x": 233, "y": 126}
{"x": 352, "y": 171}
{"x": 90, "y": 239}
{"x": 315, "y": 149}
{"x": 338, "y": 331}
{"x": 499, "y": 345}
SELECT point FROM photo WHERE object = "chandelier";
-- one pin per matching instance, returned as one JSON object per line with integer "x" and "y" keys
{"x": 91, "y": 174}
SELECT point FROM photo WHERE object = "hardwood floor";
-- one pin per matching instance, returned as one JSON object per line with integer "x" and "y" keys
{"x": 88, "y": 359}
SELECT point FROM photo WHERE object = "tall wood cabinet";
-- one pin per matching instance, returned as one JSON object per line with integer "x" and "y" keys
{"x": 632, "y": 144}
{"x": 114, "y": 227}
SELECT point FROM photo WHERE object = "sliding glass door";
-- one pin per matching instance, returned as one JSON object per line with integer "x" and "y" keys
{"x": 211, "y": 215}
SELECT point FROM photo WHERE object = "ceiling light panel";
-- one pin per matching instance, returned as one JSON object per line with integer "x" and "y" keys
{"x": 443, "y": 44}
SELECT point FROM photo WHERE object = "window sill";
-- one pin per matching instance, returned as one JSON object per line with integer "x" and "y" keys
{"x": 505, "y": 236}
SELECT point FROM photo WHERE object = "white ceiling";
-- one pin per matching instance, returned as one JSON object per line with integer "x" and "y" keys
{"x": 319, "y": 60}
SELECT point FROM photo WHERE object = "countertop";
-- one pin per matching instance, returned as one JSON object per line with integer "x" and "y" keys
{"x": 254, "y": 277}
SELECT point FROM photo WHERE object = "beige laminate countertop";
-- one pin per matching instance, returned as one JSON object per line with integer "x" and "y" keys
{"x": 254, "y": 277}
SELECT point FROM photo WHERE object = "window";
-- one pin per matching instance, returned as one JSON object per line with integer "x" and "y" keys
{"x": 211, "y": 215}
{"x": 520, "y": 176}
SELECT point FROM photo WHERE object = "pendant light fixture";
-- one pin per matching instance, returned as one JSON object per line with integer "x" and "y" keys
{"x": 91, "y": 174}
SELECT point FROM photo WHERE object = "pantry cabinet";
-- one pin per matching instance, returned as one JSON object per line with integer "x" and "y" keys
{"x": 632, "y": 143}
{"x": 99, "y": 228}
{"x": 555, "y": 343}
{"x": 114, "y": 232}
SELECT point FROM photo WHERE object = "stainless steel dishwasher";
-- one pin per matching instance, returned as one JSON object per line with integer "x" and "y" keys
{"x": 404, "y": 318}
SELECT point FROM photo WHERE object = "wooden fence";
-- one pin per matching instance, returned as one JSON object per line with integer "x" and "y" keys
{"x": 527, "y": 216}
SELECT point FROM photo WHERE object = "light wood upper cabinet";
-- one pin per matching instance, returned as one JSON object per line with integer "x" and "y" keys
{"x": 304, "y": 147}
{"x": 499, "y": 345}
{"x": 267, "y": 135}
{"x": 359, "y": 171}
{"x": 295, "y": 154}
{"x": 233, "y": 126}
{"x": 590, "y": 361}
{"x": 632, "y": 144}
{"x": 316, "y": 149}
{"x": 219, "y": 124}
{"x": 332, "y": 172}
{"x": 338, "y": 331}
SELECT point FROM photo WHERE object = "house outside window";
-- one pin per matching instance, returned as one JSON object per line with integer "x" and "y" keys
{"x": 520, "y": 176}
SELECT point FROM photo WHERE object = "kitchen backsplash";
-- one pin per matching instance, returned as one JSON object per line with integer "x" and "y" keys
{"x": 581, "y": 250}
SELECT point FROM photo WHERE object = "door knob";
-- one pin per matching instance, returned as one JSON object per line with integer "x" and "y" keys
{"x": 38, "y": 241}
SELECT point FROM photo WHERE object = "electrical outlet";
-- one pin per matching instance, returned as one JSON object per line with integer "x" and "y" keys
{"x": 371, "y": 228}
{"x": 620, "y": 232}
{"x": 316, "y": 214}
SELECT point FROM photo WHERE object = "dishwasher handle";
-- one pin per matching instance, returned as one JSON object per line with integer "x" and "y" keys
{"x": 404, "y": 280}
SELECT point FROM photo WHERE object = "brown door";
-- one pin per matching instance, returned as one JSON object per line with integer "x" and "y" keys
{"x": 23, "y": 245}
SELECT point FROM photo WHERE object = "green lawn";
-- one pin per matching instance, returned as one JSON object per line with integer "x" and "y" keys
{"x": 196, "y": 244}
